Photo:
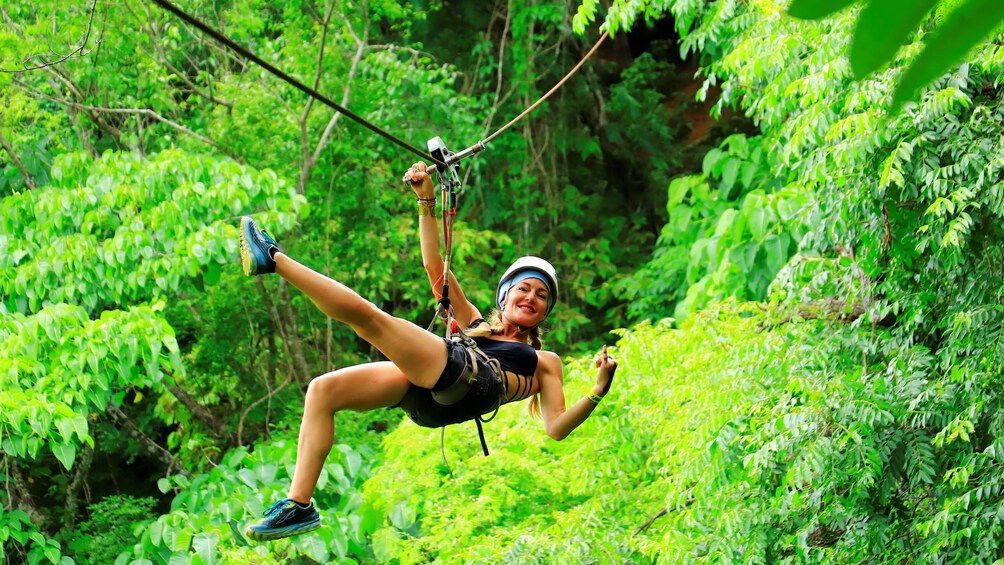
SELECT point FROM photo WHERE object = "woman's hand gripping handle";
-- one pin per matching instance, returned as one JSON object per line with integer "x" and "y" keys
{"x": 420, "y": 181}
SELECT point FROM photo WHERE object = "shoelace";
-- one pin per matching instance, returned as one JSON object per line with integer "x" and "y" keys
{"x": 275, "y": 507}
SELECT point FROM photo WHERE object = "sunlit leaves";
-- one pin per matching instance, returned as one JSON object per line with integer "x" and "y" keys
{"x": 729, "y": 232}
{"x": 210, "y": 511}
{"x": 79, "y": 255}
{"x": 815, "y": 9}
{"x": 131, "y": 229}
{"x": 57, "y": 367}
{"x": 967, "y": 25}
{"x": 883, "y": 26}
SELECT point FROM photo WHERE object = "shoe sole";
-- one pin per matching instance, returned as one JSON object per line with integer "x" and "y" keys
{"x": 247, "y": 254}
{"x": 286, "y": 532}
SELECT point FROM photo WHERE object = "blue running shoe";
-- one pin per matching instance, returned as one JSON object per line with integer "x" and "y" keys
{"x": 283, "y": 519}
{"x": 257, "y": 248}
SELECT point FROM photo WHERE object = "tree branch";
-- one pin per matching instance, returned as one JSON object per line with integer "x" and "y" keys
{"x": 95, "y": 110}
{"x": 163, "y": 59}
{"x": 499, "y": 100}
{"x": 306, "y": 161}
{"x": 319, "y": 71}
{"x": 76, "y": 52}
{"x": 151, "y": 446}
{"x": 200, "y": 412}
{"x": 29, "y": 181}
{"x": 651, "y": 521}
{"x": 311, "y": 161}
{"x": 253, "y": 405}
{"x": 77, "y": 93}
{"x": 826, "y": 308}
{"x": 290, "y": 342}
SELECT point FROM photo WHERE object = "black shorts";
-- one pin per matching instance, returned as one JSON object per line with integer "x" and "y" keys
{"x": 483, "y": 397}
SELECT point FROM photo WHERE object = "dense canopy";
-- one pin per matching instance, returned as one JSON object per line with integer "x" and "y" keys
{"x": 788, "y": 229}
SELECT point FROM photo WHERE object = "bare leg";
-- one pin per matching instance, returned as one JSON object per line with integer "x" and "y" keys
{"x": 420, "y": 355}
{"x": 363, "y": 387}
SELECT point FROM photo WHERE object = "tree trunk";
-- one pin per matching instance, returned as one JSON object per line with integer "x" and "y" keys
{"x": 78, "y": 484}
{"x": 20, "y": 496}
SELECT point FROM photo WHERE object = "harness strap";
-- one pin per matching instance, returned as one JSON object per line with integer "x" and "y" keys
{"x": 460, "y": 387}
{"x": 442, "y": 449}
{"x": 481, "y": 434}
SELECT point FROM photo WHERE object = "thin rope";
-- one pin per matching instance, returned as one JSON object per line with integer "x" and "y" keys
{"x": 549, "y": 92}
{"x": 304, "y": 88}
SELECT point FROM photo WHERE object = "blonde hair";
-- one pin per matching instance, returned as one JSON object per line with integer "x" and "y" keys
{"x": 495, "y": 326}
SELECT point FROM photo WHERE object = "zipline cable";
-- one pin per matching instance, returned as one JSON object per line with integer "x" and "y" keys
{"x": 549, "y": 92}
{"x": 479, "y": 146}
{"x": 292, "y": 81}
{"x": 437, "y": 163}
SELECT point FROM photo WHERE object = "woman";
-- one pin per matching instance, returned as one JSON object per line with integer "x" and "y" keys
{"x": 436, "y": 381}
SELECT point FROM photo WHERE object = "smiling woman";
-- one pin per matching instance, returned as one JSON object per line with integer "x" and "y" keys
{"x": 436, "y": 381}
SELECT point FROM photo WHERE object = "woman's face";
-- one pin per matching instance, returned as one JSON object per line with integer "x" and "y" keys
{"x": 526, "y": 302}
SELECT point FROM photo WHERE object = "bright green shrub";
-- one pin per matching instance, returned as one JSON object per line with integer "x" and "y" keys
{"x": 210, "y": 511}
{"x": 730, "y": 231}
{"x": 109, "y": 531}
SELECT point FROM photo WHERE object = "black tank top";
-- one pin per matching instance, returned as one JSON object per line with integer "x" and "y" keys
{"x": 514, "y": 357}
{"x": 518, "y": 362}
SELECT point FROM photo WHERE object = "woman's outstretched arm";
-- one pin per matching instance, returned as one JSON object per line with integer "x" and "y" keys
{"x": 432, "y": 255}
{"x": 559, "y": 421}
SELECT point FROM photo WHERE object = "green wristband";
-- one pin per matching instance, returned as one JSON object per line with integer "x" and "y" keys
{"x": 595, "y": 398}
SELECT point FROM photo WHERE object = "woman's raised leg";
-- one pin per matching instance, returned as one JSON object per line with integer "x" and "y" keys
{"x": 362, "y": 387}
{"x": 420, "y": 355}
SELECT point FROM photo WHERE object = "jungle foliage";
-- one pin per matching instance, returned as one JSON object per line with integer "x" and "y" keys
{"x": 812, "y": 372}
{"x": 133, "y": 348}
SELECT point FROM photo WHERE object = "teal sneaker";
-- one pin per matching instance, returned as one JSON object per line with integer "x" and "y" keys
{"x": 283, "y": 519}
{"x": 257, "y": 248}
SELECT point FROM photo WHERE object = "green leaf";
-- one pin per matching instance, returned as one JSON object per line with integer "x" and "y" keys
{"x": 182, "y": 539}
{"x": 758, "y": 223}
{"x": 816, "y": 9}
{"x": 212, "y": 272}
{"x": 882, "y": 28}
{"x": 711, "y": 159}
{"x": 964, "y": 27}
{"x": 205, "y": 545}
{"x": 52, "y": 553}
{"x": 155, "y": 531}
{"x": 80, "y": 426}
{"x": 730, "y": 171}
{"x": 247, "y": 476}
{"x": 66, "y": 453}
{"x": 777, "y": 253}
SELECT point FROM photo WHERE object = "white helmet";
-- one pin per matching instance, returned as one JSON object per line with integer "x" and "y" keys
{"x": 528, "y": 267}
